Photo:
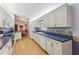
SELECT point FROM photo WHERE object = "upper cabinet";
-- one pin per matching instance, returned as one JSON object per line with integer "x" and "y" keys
{"x": 60, "y": 17}
{"x": 5, "y": 19}
{"x": 63, "y": 16}
{"x": 51, "y": 19}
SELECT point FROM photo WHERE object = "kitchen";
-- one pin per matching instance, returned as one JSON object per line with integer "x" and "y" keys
{"x": 54, "y": 35}
{"x": 53, "y": 32}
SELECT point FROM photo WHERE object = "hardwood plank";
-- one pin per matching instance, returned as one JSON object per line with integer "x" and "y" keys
{"x": 27, "y": 46}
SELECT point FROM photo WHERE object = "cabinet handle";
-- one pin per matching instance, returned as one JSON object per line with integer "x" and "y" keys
{"x": 56, "y": 42}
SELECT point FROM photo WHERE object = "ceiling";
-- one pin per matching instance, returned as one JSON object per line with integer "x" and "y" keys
{"x": 31, "y": 10}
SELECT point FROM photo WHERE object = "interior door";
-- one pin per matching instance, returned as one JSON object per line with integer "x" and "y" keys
{"x": 16, "y": 27}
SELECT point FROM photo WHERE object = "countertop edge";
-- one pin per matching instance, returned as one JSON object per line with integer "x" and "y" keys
{"x": 54, "y": 38}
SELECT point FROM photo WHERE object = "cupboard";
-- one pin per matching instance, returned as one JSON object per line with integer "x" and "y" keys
{"x": 59, "y": 48}
{"x": 43, "y": 42}
{"x": 60, "y": 17}
{"x": 7, "y": 49}
{"x": 63, "y": 16}
{"x": 52, "y": 46}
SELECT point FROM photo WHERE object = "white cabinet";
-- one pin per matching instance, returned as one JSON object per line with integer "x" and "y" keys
{"x": 43, "y": 23}
{"x": 34, "y": 36}
{"x": 52, "y": 46}
{"x": 7, "y": 49}
{"x": 38, "y": 38}
{"x": 63, "y": 16}
{"x": 59, "y": 48}
{"x": 67, "y": 48}
{"x": 46, "y": 20}
{"x": 31, "y": 29}
{"x": 30, "y": 34}
{"x": 63, "y": 48}
{"x": 50, "y": 19}
{"x": 43, "y": 42}
{"x": 60, "y": 17}
{"x": 49, "y": 46}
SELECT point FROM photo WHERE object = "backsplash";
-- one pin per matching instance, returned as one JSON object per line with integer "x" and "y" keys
{"x": 60, "y": 30}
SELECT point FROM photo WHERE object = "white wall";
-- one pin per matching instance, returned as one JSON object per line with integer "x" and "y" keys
{"x": 46, "y": 10}
{"x": 75, "y": 18}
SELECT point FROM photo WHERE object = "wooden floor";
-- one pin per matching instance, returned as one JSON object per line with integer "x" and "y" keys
{"x": 27, "y": 46}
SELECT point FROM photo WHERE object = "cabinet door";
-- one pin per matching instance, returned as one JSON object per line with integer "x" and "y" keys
{"x": 30, "y": 34}
{"x": 46, "y": 20}
{"x": 67, "y": 48}
{"x": 43, "y": 42}
{"x": 35, "y": 37}
{"x": 52, "y": 19}
{"x": 50, "y": 47}
{"x": 43, "y": 23}
{"x": 38, "y": 38}
{"x": 57, "y": 48}
{"x": 7, "y": 49}
{"x": 49, "y": 19}
{"x": 61, "y": 16}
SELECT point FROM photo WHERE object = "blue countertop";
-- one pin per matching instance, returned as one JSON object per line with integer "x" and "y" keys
{"x": 5, "y": 40}
{"x": 6, "y": 37}
{"x": 58, "y": 37}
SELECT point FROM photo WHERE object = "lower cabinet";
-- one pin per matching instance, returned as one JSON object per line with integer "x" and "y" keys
{"x": 43, "y": 42}
{"x": 59, "y": 48}
{"x": 36, "y": 37}
{"x": 7, "y": 49}
{"x": 31, "y": 35}
{"x": 52, "y": 46}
